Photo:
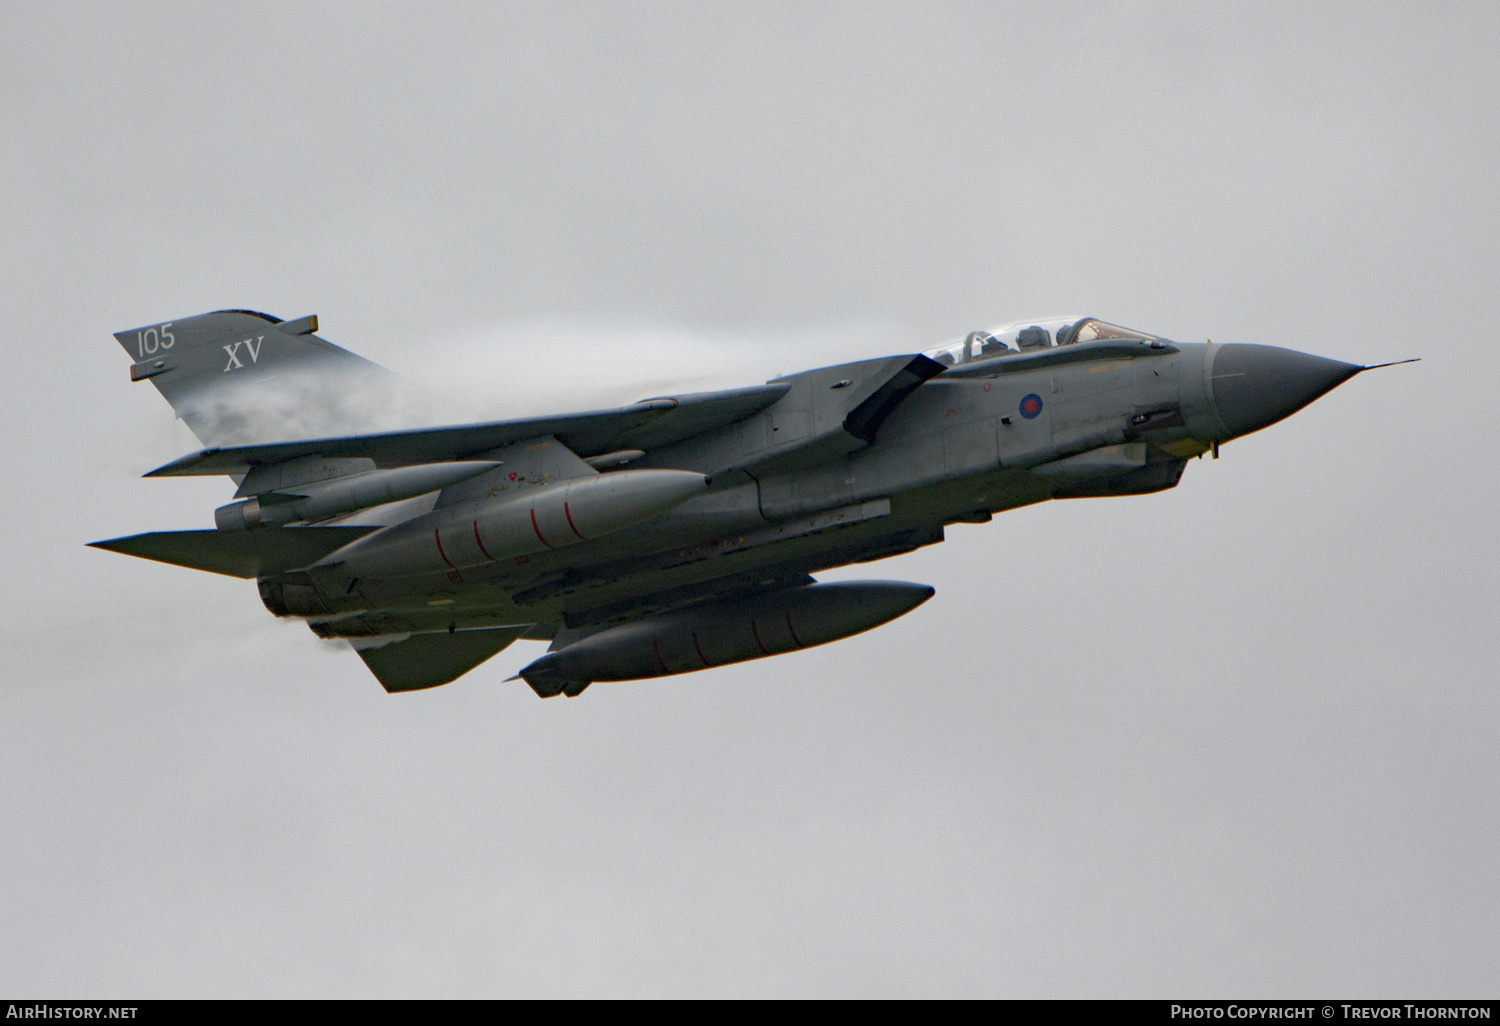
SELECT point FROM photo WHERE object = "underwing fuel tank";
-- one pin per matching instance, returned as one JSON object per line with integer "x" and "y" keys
{"x": 724, "y": 632}
{"x": 540, "y": 518}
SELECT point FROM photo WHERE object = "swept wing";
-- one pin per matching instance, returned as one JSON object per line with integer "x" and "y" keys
{"x": 644, "y": 425}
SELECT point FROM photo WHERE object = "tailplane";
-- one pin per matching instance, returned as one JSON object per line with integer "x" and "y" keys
{"x": 238, "y": 376}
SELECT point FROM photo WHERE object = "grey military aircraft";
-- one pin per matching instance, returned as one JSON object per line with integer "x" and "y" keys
{"x": 681, "y": 532}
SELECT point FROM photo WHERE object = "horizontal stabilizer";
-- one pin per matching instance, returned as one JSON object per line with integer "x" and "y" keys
{"x": 428, "y": 660}
{"x": 270, "y": 550}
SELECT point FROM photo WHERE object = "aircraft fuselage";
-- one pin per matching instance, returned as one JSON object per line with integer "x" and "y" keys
{"x": 791, "y": 492}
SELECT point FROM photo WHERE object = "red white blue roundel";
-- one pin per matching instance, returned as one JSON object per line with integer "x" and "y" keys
{"x": 1031, "y": 406}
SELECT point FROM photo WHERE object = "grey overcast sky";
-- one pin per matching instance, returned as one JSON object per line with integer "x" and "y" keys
{"x": 1235, "y": 739}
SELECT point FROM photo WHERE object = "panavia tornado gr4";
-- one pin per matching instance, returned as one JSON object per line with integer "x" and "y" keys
{"x": 679, "y": 533}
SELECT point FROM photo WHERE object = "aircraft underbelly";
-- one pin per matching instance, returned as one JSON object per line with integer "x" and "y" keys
{"x": 609, "y": 580}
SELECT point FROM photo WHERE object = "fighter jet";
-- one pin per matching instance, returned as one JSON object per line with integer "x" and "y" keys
{"x": 682, "y": 532}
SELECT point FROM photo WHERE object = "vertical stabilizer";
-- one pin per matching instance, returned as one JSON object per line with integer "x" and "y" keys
{"x": 237, "y": 376}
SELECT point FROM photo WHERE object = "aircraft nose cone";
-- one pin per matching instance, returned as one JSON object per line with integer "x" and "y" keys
{"x": 1255, "y": 386}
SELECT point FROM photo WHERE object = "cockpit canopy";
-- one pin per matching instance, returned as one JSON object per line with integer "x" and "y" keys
{"x": 1028, "y": 336}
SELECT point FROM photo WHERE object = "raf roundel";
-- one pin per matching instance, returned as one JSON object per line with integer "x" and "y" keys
{"x": 1031, "y": 406}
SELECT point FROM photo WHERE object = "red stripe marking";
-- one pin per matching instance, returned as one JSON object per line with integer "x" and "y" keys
{"x": 656, "y": 647}
{"x": 537, "y": 529}
{"x": 480, "y": 543}
{"x": 754, "y": 630}
{"x": 795, "y": 640}
{"x": 569, "y": 514}
{"x": 699, "y": 649}
{"x": 439, "y": 540}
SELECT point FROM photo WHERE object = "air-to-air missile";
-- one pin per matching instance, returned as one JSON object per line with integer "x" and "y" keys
{"x": 678, "y": 533}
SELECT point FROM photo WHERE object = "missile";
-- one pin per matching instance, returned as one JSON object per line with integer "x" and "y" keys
{"x": 724, "y": 632}
{"x": 320, "y": 500}
{"x": 541, "y": 517}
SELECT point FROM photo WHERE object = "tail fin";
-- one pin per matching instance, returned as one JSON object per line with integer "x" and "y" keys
{"x": 237, "y": 376}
